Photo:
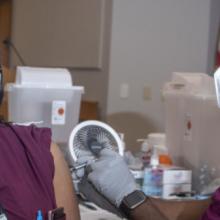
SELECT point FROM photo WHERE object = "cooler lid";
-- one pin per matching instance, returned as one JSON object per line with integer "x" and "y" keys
{"x": 198, "y": 84}
{"x": 43, "y": 77}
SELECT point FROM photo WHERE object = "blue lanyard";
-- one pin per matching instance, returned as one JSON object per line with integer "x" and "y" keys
{"x": 39, "y": 215}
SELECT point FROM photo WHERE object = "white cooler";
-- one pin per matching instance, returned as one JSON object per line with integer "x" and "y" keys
{"x": 193, "y": 125}
{"x": 45, "y": 95}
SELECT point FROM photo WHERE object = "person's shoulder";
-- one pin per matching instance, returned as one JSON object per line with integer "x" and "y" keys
{"x": 32, "y": 128}
{"x": 41, "y": 136}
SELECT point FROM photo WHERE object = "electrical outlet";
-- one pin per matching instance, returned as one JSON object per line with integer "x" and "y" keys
{"x": 162, "y": 96}
{"x": 124, "y": 90}
{"x": 147, "y": 93}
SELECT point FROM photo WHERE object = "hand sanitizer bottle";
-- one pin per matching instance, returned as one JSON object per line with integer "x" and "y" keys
{"x": 152, "y": 184}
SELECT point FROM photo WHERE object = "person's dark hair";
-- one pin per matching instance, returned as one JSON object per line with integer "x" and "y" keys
{"x": 4, "y": 122}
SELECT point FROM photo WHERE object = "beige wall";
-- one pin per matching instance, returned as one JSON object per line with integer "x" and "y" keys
{"x": 94, "y": 80}
{"x": 150, "y": 40}
{"x": 60, "y": 34}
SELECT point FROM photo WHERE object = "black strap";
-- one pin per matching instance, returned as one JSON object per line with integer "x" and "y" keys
{"x": 1, "y": 84}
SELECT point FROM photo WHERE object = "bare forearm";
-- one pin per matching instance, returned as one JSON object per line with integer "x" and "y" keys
{"x": 147, "y": 211}
{"x": 63, "y": 187}
{"x": 154, "y": 209}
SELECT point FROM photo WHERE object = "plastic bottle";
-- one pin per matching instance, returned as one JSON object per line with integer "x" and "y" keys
{"x": 154, "y": 160}
{"x": 158, "y": 141}
{"x": 145, "y": 152}
{"x": 164, "y": 158}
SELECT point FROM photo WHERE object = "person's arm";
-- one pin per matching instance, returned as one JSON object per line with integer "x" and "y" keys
{"x": 111, "y": 177}
{"x": 146, "y": 211}
{"x": 63, "y": 186}
{"x": 157, "y": 209}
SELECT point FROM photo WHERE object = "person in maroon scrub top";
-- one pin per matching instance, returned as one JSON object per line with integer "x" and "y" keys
{"x": 33, "y": 173}
{"x": 213, "y": 211}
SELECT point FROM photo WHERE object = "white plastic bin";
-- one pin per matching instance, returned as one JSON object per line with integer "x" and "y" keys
{"x": 193, "y": 125}
{"x": 47, "y": 95}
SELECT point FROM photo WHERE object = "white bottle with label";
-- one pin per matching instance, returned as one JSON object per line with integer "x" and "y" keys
{"x": 145, "y": 152}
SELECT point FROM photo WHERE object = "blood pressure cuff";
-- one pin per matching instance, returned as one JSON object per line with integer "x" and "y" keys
{"x": 91, "y": 194}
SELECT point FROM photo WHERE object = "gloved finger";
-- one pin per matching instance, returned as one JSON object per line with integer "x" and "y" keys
{"x": 85, "y": 159}
{"x": 85, "y": 169}
{"x": 106, "y": 162}
{"x": 80, "y": 166}
{"x": 101, "y": 165}
{"x": 93, "y": 178}
{"x": 97, "y": 165}
{"x": 80, "y": 172}
{"x": 106, "y": 152}
{"x": 84, "y": 154}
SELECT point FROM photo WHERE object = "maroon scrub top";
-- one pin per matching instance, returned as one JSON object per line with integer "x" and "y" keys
{"x": 26, "y": 171}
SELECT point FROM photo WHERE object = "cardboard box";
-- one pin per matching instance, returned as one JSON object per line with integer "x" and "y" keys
{"x": 178, "y": 209}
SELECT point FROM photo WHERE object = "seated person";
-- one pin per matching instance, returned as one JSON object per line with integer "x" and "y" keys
{"x": 111, "y": 177}
{"x": 34, "y": 176}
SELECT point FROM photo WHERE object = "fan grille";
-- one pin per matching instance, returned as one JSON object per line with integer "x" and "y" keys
{"x": 102, "y": 135}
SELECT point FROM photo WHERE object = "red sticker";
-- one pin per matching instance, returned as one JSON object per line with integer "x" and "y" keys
{"x": 189, "y": 125}
{"x": 60, "y": 111}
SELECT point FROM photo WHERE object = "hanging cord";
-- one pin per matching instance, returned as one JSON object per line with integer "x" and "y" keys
{"x": 8, "y": 43}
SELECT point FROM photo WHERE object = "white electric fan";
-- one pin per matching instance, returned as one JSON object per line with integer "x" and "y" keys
{"x": 86, "y": 140}
{"x": 90, "y": 137}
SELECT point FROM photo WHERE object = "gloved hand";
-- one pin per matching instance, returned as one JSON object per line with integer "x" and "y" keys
{"x": 111, "y": 177}
{"x": 112, "y": 181}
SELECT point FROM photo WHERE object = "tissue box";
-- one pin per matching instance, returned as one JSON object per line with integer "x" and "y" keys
{"x": 169, "y": 189}
{"x": 176, "y": 181}
{"x": 177, "y": 176}
{"x": 166, "y": 180}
